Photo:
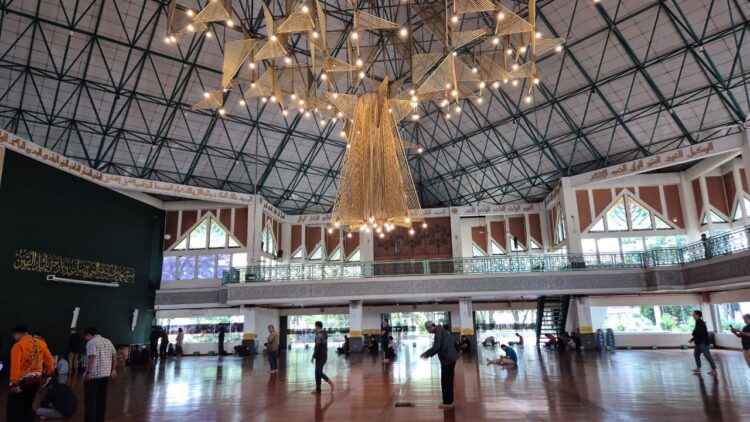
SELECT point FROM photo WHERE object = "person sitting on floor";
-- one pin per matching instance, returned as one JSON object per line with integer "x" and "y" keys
{"x": 344, "y": 349}
{"x": 575, "y": 338}
{"x": 373, "y": 344}
{"x": 59, "y": 401}
{"x": 510, "y": 360}
{"x": 390, "y": 351}
{"x": 489, "y": 341}
{"x": 465, "y": 344}
{"x": 517, "y": 343}
{"x": 551, "y": 340}
{"x": 568, "y": 343}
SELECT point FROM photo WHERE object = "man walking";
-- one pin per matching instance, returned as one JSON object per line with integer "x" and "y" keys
{"x": 222, "y": 332}
{"x": 75, "y": 349}
{"x": 30, "y": 365}
{"x": 101, "y": 366}
{"x": 385, "y": 332}
{"x": 700, "y": 338}
{"x": 319, "y": 357}
{"x": 446, "y": 351}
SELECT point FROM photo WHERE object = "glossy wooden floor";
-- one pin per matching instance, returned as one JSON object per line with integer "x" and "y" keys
{"x": 625, "y": 385}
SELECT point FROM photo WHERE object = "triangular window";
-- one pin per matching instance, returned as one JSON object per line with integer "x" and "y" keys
{"x": 299, "y": 254}
{"x": 477, "y": 251}
{"x": 513, "y": 248}
{"x": 199, "y": 236}
{"x": 737, "y": 212}
{"x": 598, "y": 227}
{"x": 317, "y": 253}
{"x": 704, "y": 221}
{"x": 355, "y": 256}
{"x": 336, "y": 255}
{"x": 747, "y": 205}
{"x": 233, "y": 243}
{"x": 182, "y": 245}
{"x": 640, "y": 217}
{"x": 495, "y": 249}
{"x": 218, "y": 237}
{"x": 661, "y": 224}
{"x": 535, "y": 245}
{"x": 617, "y": 220}
{"x": 715, "y": 218}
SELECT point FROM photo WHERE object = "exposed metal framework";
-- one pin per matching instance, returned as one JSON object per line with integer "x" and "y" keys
{"x": 92, "y": 79}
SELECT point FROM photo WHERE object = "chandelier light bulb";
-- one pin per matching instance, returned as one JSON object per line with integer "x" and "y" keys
{"x": 222, "y": 111}
{"x": 501, "y": 16}
{"x": 414, "y": 98}
{"x": 379, "y": 230}
{"x": 354, "y": 35}
{"x": 251, "y": 65}
{"x": 447, "y": 115}
{"x": 173, "y": 38}
{"x": 538, "y": 35}
{"x": 454, "y": 19}
{"x": 536, "y": 81}
{"x": 336, "y": 224}
{"x": 335, "y": 95}
{"x": 252, "y": 85}
{"x": 505, "y": 81}
{"x": 367, "y": 229}
{"x": 515, "y": 66}
{"x": 230, "y": 23}
{"x": 411, "y": 232}
{"x": 482, "y": 84}
{"x": 263, "y": 99}
{"x": 315, "y": 34}
{"x": 510, "y": 51}
{"x": 287, "y": 60}
{"x": 190, "y": 28}
{"x": 305, "y": 9}
{"x": 382, "y": 235}
{"x": 285, "y": 113}
{"x": 457, "y": 109}
{"x": 190, "y": 12}
{"x": 340, "y": 114}
{"x": 209, "y": 35}
{"x": 371, "y": 220}
{"x": 496, "y": 84}
{"x": 523, "y": 49}
{"x": 414, "y": 104}
{"x": 308, "y": 114}
{"x": 349, "y": 235}
{"x": 455, "y": 53}
{"x": 343, "y": 135}
{"x": 273, "y": 98}
{"x": 480, "y": 100}
{"x": 242, "y": 102}
{"x": 274, "y": 38}
{"x": 558, "y": 48}
{"x": 444, "y": 103}
{"x": 474, "y": 69}
{"x": 359, "y": 63}
{"x": 415, "y": 116}
{"x": 206, "y": 95}
{"x": 424, "y": 225}
{"x": 323, "y": 76}
{"x": 362, "y": 75}
{"x": 419, "y": 151}
{"x": 496, "y": 40}
{"x": 330, "y": 230}
{"x": 323, "y": 122}
{"x": 301, "y": 102}
{"x": 167, "y": 40}
{"x": 447, "y": 86}
{"x": 333, "y": 120}
{"x": 293, "y": 96}
{"x": 454, "y": 93}
{"x": 528, "y": 98}
{"x": 404, "y": 32}
{"x": 515, "y": 82}
{"x": 412, "y": 92}
{"x": 301, "y": 110}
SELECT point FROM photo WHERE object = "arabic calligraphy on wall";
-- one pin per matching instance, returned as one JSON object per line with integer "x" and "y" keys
{"x": 62, "y": 266}
{"x": 113, "y": 181}
{"x": 655, "y": 162}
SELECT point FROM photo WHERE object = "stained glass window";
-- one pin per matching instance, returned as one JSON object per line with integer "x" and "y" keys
{"x": 661, "y": 224}
{"x": 598, "y": 226}
{"x": 616, "y": 218}
{"x": 640, "y": 217}
{"x": 186, "y": 267}
{"x": 298, "y": 254}
{"x": 355, "y": 256}
{"x": 206, "y": 264}
{"x": 495, "y": 248}
{"x": 336, "y": 255}
{"x": 199, "y": 236}
{"x": 264, "y": 240}
{"x": 182, "y": 245}
{"x": 224, "y": 264}
{"x": 169, "y": 268}
{"x": 218, "y": 237}
{"x": 271, "y": 242}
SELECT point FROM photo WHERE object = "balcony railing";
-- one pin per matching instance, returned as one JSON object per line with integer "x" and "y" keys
{"x": 726, "y": 244}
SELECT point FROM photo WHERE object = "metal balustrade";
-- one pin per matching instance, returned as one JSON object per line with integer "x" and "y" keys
{"x": 728, "y": 243}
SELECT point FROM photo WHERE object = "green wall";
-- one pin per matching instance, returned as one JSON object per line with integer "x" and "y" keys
{"x": 47, "y": 210}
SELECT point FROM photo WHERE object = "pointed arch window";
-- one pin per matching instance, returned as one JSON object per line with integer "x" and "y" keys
{"x": 208, "y": 234}
{"x": 713, "y": 217}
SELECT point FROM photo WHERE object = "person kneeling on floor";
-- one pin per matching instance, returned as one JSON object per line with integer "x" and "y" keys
{"x": 59, "y": 401}
{"x": 510, "y": 360}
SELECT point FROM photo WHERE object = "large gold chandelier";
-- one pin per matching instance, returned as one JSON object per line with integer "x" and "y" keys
{"x": 347, "y": 85}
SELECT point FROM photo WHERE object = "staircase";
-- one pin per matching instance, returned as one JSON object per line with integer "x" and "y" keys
{"x": 551, "y": 315}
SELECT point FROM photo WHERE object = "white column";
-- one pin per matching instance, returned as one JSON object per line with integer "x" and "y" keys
{"x": 366, "y": 246}
{"x": 689, "y": 211}
{"x": 466, "y": 313}
{"x": 355, "y": 318}
{"x": 254, "y": 226}
{"x": 583, "y": 311}
{"x": 570, "y": 208}
{"x": 286, "y": 242}
{"x": 456, "y": 234}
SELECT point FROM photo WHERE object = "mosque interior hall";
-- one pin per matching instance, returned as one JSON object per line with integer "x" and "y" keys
{"x": 357, "y": 210}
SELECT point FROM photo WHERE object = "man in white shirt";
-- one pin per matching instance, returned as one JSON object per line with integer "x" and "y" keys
{"x": 101, "y": 366}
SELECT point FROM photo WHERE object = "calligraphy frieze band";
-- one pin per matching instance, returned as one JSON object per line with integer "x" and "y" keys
{"x": 62, "y": 266}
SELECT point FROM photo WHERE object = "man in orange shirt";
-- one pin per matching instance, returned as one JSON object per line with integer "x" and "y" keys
{"x": 30, "y": 364}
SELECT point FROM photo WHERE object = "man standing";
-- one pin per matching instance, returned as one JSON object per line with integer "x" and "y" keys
{"x": 272, "y": 348}
{"x": 30, "y": 364}
{"x": 75, "y": 349}
{"x": 153, "y": 343}
{"x": 222, "y": 332}
{"x": 178, "y": 342}
{"x": 700, "y": 338}
{"x": 385, "y": 332}
{"x": 101, "y": 366}
{"x": 744, "y": 335}
{"x": 446, "y": 351}
{"x": 319, "y": 357}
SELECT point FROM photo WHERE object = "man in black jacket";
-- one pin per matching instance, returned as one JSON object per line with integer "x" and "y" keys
{"x": 59, "y": 402}
{"x": 320, "y": 356}
{"x": 446, "y": 351}
{"x": 700, "y": 338}
{"x": 76, "y": 349}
